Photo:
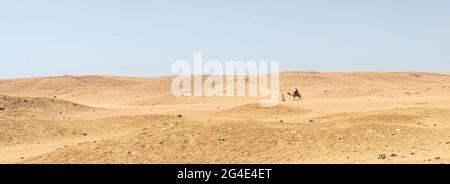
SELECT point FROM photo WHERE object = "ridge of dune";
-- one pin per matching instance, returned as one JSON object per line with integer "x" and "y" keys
{"x": 14, "y": 103}
{"x": 254, "y": 109}
{"x": 43, "y": 108}
{"x": 61, "y": 83}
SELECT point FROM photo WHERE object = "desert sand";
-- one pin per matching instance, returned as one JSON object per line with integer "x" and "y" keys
{"x": 364, "y": 117}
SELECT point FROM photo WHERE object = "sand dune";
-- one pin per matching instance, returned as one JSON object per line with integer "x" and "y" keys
{"x": 43, "y": 108}
{"x": 361, "y": 117}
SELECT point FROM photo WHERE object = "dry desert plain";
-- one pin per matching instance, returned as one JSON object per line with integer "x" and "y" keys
{"x": 361, "y": 117}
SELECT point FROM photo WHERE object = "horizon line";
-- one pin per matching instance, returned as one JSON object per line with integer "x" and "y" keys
{"x": 173, "y": 75}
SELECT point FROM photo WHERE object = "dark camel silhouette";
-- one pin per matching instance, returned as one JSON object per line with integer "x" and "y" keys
{"x": 296, "y": 95}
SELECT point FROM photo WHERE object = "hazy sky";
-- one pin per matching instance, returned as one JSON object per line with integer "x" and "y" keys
{"x": 144, "y": 37}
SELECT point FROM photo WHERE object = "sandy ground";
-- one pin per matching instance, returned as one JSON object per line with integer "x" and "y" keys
{"x": 344, "y": 118}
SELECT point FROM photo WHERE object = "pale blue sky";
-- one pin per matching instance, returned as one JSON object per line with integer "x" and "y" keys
{"x": 143, "y": 38}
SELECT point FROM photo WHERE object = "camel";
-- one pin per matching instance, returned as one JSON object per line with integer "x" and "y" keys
{"x": 296, "y": 95}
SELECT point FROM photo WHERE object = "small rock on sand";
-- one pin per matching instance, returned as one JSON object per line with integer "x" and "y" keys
{"x": 2, "y": 109}
{"x": 311, "y": 121}
{"x": 382, "y": 156}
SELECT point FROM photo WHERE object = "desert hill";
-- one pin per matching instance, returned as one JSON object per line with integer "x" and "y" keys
{"x": 42, "y": 108}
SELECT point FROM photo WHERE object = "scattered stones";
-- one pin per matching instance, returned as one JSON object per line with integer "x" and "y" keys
{"x": 393, "y": 155}
{"x": 437, "y": 158}
{"x": 412, "y": 153}
{"x": 180, "y": 115}
{"x": 22, "y": 158}
{"x": 311, "y": 120}
{"x": 382, "y": 156}
{"x": 84, "y": 134}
